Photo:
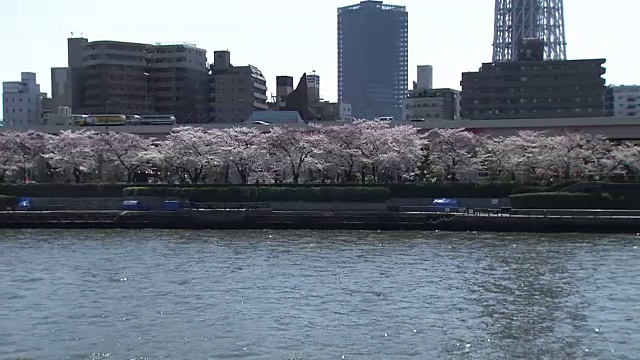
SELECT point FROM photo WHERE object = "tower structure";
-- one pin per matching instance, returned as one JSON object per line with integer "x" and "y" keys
{"x": 517, "y": 20}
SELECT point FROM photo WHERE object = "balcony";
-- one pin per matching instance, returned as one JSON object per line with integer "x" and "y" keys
{"x": 259, "y": 86}
{"x": 260, "y": 106}
{"x": 260, "y": 96}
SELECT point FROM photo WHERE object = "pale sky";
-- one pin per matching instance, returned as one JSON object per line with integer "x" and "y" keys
{"x": 289, "y": 37}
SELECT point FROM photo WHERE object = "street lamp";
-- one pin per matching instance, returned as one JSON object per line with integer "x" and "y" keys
{"x": 146, "y": 92}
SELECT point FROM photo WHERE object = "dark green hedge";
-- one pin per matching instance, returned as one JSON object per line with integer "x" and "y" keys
{"x": 561, "y": 200}
{"x": 63, "y": 190}
{"x": 254, "y": 193}
{"x": 8, "y": 201}
{"x": 419, "y": 190}
{"x": 452, "y": 190}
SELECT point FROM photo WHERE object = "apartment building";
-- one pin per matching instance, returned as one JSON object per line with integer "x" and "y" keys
{"x": 235, "y": 91}
{"x": 534, "y": 89}
{"x": 137, "y": 78}
{"x": 623, "y": 100}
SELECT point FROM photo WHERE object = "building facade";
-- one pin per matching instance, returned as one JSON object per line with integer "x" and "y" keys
{"x": 313, "y": 83}
{"x": 534, "y": 89}
{"x": 61, "y": 89}
{"x": 432, "y": 104}
{"x": 235, "y": 91}
{"x": 331, "y": 111}
{"x": 623, "y": 100}
{"x": 305, "y": 100}
{"x": 373, "y": 58}
{"x": 135, "y": 78}
{"x": 21, "y": 102}
{"x": 424, "y": 78}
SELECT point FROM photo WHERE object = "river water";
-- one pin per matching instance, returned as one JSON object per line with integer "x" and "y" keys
{"x": 149, "y": 294}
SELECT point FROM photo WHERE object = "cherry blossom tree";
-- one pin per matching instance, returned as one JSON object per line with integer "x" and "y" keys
{"x": 454, "y": 152}
{"x": 404, "y": 153}
{"x": 341, "y": 151}
{"x": 73, "y": 151}
{"x": 125, "y": 150}
{"x": 370, "y": 150}
{"x": 29, "y": 146}
{"x": 295, "y": 150}
{"x": 245, "y": 149}
{"x": 360, "y": 151}
{"x": 9, "y": 162}
{"x": 625, "y": 158}
{"x": 190, "y": 151}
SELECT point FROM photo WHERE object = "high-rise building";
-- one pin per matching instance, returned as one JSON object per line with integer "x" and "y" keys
{"x": 134, "y": 78}
{"x": 236, "y": 91}
{"x": 21, "y": 101}
{"x": 516, "y": 20}
{"x": 373, "y": 58}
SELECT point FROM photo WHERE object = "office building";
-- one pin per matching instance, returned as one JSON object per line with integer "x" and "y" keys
{"x": 21, "y": 102}
{"x": 623, "y": 100}
{"x": 235, "y": 91}
{"x": 432, "y": 104}
{"x": 373, "y": 58}
{"x": 135, "y": 78}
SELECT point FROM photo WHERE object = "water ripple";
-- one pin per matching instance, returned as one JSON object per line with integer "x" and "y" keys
{"x": 317, "y": 295}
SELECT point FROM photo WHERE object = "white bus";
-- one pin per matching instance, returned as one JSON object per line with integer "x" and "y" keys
{"x": 158, "y": 119}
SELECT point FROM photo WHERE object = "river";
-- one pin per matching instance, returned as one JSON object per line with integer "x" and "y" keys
{"x": 123, "y": 294}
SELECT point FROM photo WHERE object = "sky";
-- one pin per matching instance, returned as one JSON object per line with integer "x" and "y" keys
{"x": 290, "y": 37}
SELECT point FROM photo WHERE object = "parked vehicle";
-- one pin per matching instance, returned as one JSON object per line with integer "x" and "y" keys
{"x": 102, "y": 120}
{"x": 158, "y": 119}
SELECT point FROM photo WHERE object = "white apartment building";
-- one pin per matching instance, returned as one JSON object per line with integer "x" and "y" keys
{"x": 21, "y": 102}
{"x": 624, "y": 100}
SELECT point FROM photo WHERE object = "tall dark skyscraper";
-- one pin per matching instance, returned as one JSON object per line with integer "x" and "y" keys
{"x": 517, "y": 20}
{"x": 373, "y": 58}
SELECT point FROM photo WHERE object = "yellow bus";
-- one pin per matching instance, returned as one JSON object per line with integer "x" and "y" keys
{"x": 106, "y": 120}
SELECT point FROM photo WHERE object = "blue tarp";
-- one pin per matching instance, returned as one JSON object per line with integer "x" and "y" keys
{"x": 133, "y": 205}
{"x": 25, "y": 203}
{"x": 170, "y": 205}
{"x": 445, "y": 202}
{"x": 445, "y": 205}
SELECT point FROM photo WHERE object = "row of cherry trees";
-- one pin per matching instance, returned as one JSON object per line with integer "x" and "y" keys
{"x": 362, "y": 151}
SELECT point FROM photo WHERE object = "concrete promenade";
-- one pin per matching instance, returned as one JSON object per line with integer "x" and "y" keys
{"x": 615, "y": 128}
{"x": 217, "y": 219}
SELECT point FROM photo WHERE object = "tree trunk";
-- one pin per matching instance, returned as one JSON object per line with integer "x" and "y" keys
{"x": 76, "y": 174}
{"x": 243, "y": 173}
